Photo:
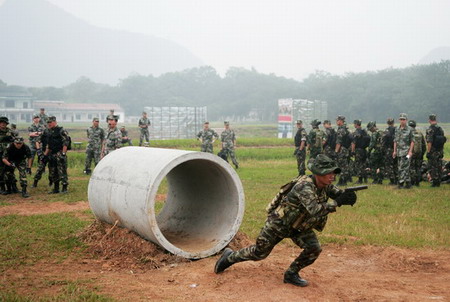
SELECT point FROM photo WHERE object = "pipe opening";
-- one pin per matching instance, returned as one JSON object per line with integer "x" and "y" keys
{"x": 200, "y": 207}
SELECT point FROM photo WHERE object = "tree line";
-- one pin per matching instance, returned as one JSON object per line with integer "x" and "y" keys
{"x": 374, "y": 95}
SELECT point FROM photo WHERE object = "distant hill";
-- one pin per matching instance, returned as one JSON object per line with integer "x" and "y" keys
{"x": 436, "y": 55}
{"x": 42, "y": 45}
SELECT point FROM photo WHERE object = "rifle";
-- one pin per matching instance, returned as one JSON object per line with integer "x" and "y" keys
{"x": 348, "y": 197}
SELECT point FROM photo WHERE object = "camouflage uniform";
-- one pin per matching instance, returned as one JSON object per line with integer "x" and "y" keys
{"x": 144, "y": 122}
{"x": 300, "y": 154}
{"x": 358, "y": 138}
{"x": 390, "y": 163}
{"x": 435, "y": 155}
{"x": 315, "y": 142}
{"x": 34, "y": 139}
{"x": 330, "y": 143}
{"x": 42, "y": 160}
{"x": 403, "y": 139}
{"x": 57, "y": 138}
{"x": 125, "y": 141}
{"x": 343, "y": 138}
{"x": 18, "y": 157}
{"x": 376, "y": 156}
{"x": 302, "y": 210}
{"x": 228, "y": 138}
{"x": 417, "y": 156}
{"x": 95, "y": 136}
{"x": 207, "y": 137}
{"x": 43, "y": 119}
{"x": 112, "y": 141}
{"x": 6, "y": 137}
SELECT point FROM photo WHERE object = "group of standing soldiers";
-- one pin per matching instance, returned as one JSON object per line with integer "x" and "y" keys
{"x": 48, "y": 141}
{"x": 395, "y": 153}
{"x": 207, "y": 137}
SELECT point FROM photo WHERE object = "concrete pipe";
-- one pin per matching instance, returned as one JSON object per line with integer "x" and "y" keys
{"x": 204, "y": 205}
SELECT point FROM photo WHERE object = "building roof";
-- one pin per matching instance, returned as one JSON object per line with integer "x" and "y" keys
{"x": 59, "y": 105}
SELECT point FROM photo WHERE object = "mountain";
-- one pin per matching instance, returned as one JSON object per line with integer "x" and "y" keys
{"x": 42, "y": 45}
{"x": 436, "y": 55}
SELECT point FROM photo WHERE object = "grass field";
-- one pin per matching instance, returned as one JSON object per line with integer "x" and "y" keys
{"x": 383, "y": 215}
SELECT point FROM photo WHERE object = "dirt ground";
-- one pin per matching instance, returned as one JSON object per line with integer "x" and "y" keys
{"x": 122, "y": 265}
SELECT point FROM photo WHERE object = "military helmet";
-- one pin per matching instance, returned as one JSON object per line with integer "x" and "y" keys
{"x": 412, "y": 123}
{"x": 4, "y": 119}
{"x": 371, "y": 124}
{"x": 323, "y": 165}
{"x": 432, "y": 117}
{"x": 357, "y": 122}
{"x": 315, "y": 123}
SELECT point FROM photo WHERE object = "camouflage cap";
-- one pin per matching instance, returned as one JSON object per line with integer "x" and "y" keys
{"x": 357, "y": 122}
{"x": 51, "y": 119}
{"x": 112, "y": 117}
{"x": 95, "y": 119}
{"x": 432, "y": 117}
{"x": 43, "y": 109}
{"x": 18, "y": 139}
{"x": 299, "y": 122}
{"x": 206, "y": 123}
{"x": 123, "y": 127}
{"x": 315, "y": 123}
{"x": 371, "y": 124}
{"x": 36, "y": 116}
{"x": 226, "y": 122}
{"x": 13, "y": 126}
{"x": 143, "y": 112}
{"x": 323, "y": 165}
{"x": 326, "y": 122}
{"x": 390, "y": 121}
{"x": 412, "y": 123}
{"x": 402, "y": 116}
{"x": 4, "y": 119}
{"x": 340, "y": 118}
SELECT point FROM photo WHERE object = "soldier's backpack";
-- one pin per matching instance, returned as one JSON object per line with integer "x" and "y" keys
{"x": 388, "y": 137}
{"x": 331, "y": 138}
{"x": 286, "y": 188}
{"x": 438, "y": 138}
{"x": 365, "y": 139}
{"x": 347, "y": 140}
{"x": 418, "y": 147}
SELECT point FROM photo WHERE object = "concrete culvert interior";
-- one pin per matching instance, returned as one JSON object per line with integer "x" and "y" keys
{"x": 204, "y": 198}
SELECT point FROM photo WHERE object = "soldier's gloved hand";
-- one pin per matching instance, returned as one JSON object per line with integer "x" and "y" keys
{"x": 346, "y": 198}
{"x": 29, "y": 171}
{"x": 428, "y": 155}
{"x": 331, "y": 207}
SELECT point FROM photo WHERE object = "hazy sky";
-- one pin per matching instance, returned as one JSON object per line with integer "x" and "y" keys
{"x": 290, "y": 38}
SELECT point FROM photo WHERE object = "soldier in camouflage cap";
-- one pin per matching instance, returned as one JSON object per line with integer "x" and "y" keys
{"x": 342, "y": 150}
{"x": 316, "y": 138}
{"x": 375, "y": 153}
{"x": 96, "y": 136}
{"x": 207, "y": 137}
{"x": 113, "y": 137}
{"x": 143, "y": 124}
{"x": 297, "y": 210}
{"x": 6, "y": 137}
{"x": 403, "y": 147}
{"x": 17, "y": 155}
{"x": 228, "y": 138}
{"x": 435, "y": 150}
{"x": 390, "y": 163}
{"x": 300, "y": 142}
{"x": 417, "y": 154}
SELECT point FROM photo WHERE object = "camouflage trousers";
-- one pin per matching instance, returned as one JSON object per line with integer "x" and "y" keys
{"x": 92, "y": 154}
{"x": 415, "y": 168}
{"x": 40, "y": 170}
{"x": 404, "y": 164}
{"x": 435, "y": 165}
{"x": 145, "y": 135}
{"x": 377, "y": 165}
{"x": 343, "y": 163}
{"x": 57, "y": 166}
{"x": 301, "y": 157}
{"x": 271, "y": 235}
{"x": 207, "y": 147}
{"x": 2, "y": 173}
{"x": 360, "y": 162}
{"x": 229, "y": 151}
{"x": 33, "y": 151}
{"x": 22, "y": 168}
{"x": 390, "y": 164}
{"x": 328, "y": 151}
{"x": 313, "y": 152}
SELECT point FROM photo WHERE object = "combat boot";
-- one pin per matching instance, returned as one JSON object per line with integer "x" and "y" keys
{"x": 400, "y": 185}
{"x": 64, "y": 189}
{"x": 55, "y": 189}
{"x": 14, "y": 188}
{"x": 435, "y": 183}
{"x": 35, "y": 183}
{"x": 408, "y": 185}
{"x": 8, "y": 189}
{"x": 380, "y": 181}
{"x": 24, "y": 192}
{"x": 294, "y": 279}
{"x": 360, "y": 181}
{"x": 365, "y": 179}
{"x": 392, "y": 182}
{"x": 2, "y": 188}
{"x": 237, "y": 166}
{"x": 50, "y": 182}
{"x": 87, "y": 171}
{"x": 223, "y": 263}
